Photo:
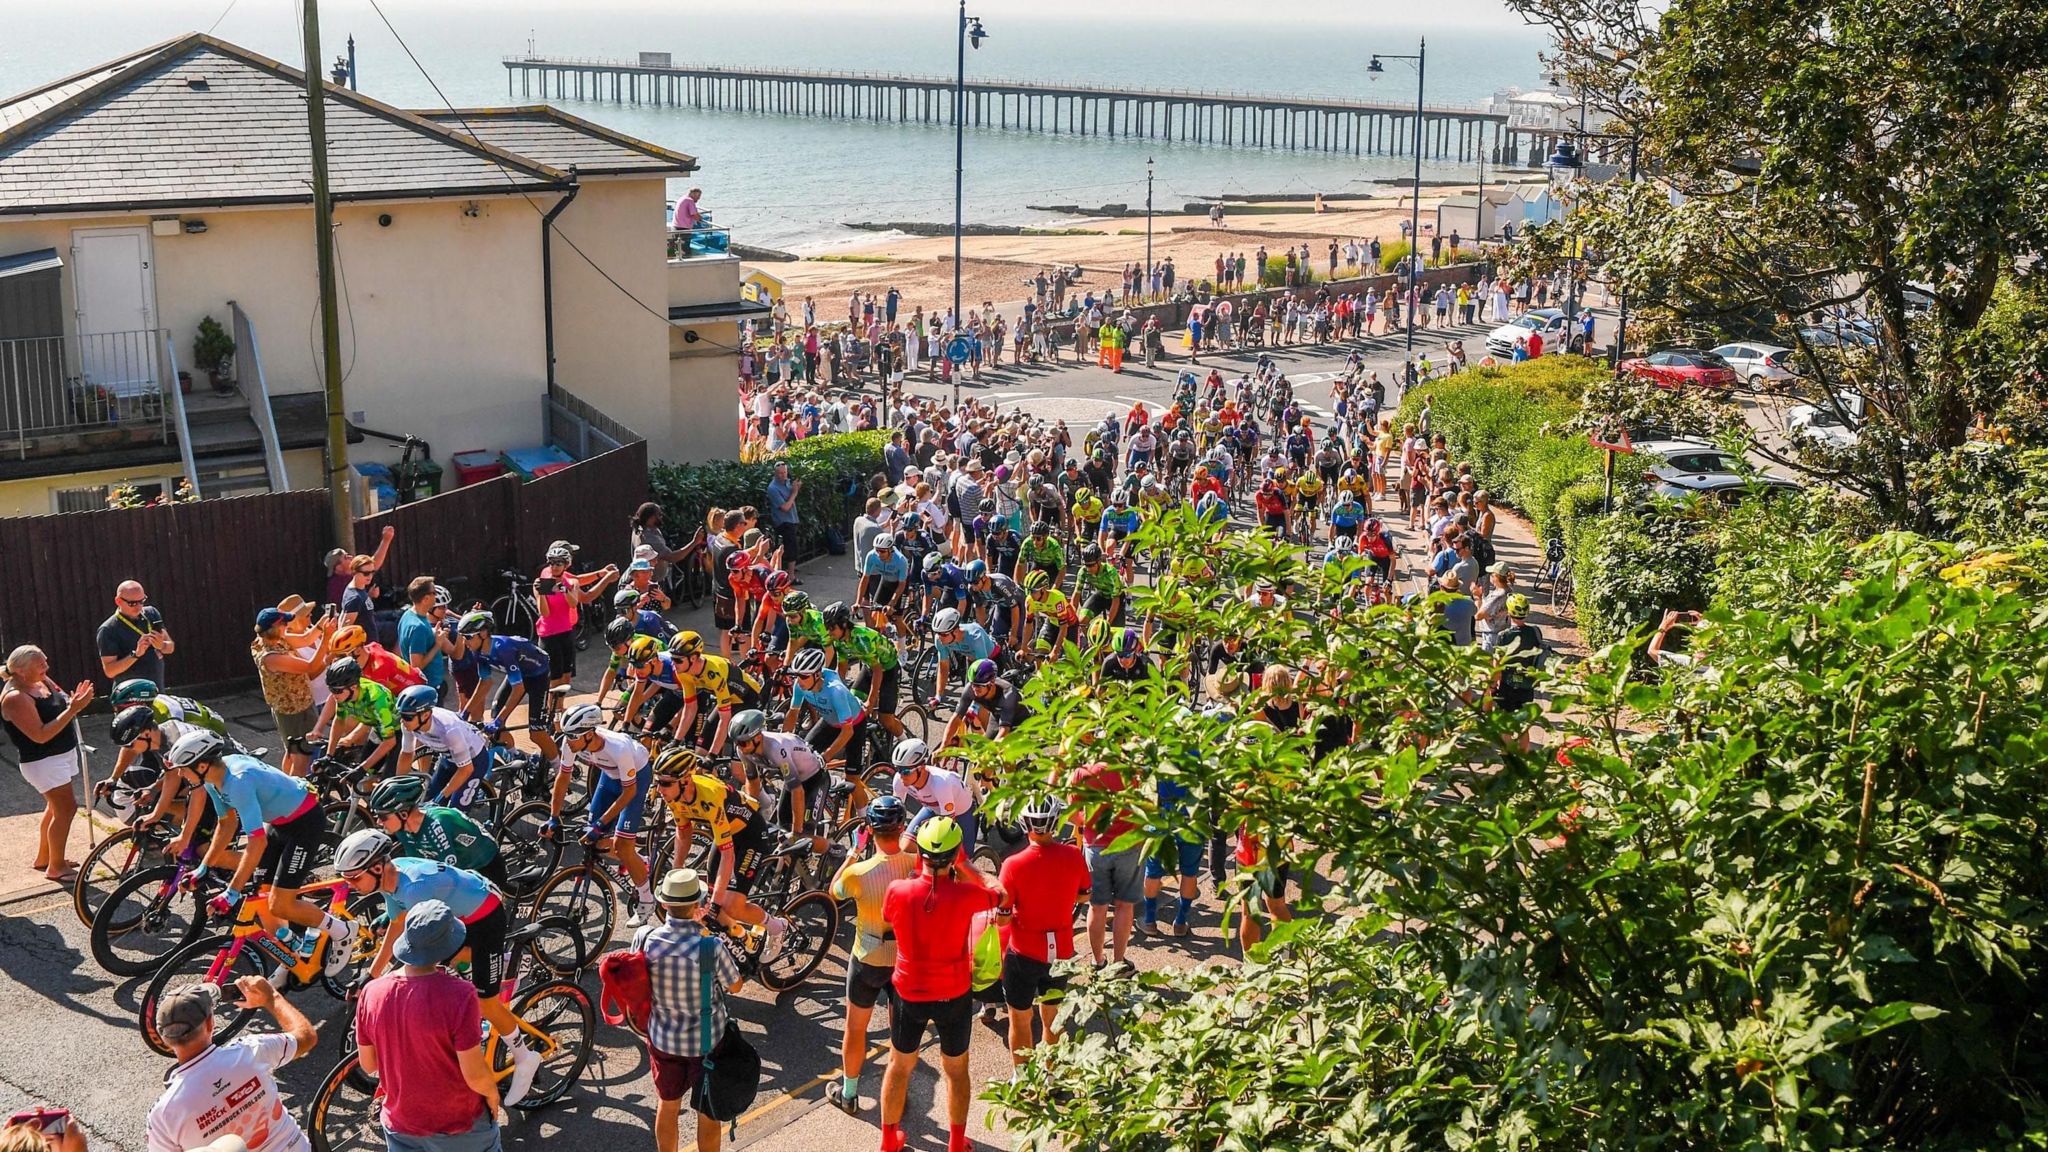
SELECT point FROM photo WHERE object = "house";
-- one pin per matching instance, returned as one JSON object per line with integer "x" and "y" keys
{"x": 496, "y": 268}
{"x": 1528, "y": 204}
{"x": 1473, "y": 217}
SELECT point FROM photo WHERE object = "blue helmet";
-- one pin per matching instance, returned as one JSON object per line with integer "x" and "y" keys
{"x": 417, "y": 699}
{"x": 886, "y": 812}
{"x": 976, "y": 570}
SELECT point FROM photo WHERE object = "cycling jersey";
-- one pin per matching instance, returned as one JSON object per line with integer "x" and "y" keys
{"x": 866, "y": 646}
{"x": 187, "y": 711}
{"x": 809, "y": 625}
{"x": 662, "y": 675}
{"x": 258, "y": 794}
{"x": 1308, "y": 487}
{"x": 787, "y": 753}
{"x": 1089, "y": 511}
{"x": 717, "y": 679}
{"x": 833, "y": 699}
{"x": 1001, "y": 591}
{"x": 1379, "y": 545}
{"x": 517, "y": 660}
{"x": 373, "y": 706}
{"x": 1347, "y": 515}
{"x": 948, "y": 583}
{"x": 446, "y": 836}
{"x": 1004, "y": 709}
{"x": 466, "y": 894}
{"x": 448, "y": 734}
{"x": 944, "y": 791}
{"x": 1044, "y": 551}
{"x": 893, "y": 567}
{"x": 1054, "y": 603}
{"x": 1125, "y": 520}
{"x": 974, "y": 644}
{"x": 616, "y": 756}
{"x": 1113, "y": 668}
{"x": 724, "y": 812}
{"x": 1100, "y": 579}
{"x": 384, "y": 668}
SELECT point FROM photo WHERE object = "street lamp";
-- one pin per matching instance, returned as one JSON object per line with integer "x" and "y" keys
{"x": 1374, "y": 69}
{"x": 1565, "y": 167}
{"x": 1144, "y": 291}
{"x": 971, "y": 32}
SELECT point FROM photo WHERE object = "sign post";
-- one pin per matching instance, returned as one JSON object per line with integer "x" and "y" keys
{"x": 1612, "y": 438}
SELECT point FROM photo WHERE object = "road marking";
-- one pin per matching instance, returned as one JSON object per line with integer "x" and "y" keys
{"x": 797, "y": 1093}
{"x": 1141, "y": 400}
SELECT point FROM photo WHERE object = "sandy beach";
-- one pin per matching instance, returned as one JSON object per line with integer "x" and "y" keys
{"x": 998, "y": 267}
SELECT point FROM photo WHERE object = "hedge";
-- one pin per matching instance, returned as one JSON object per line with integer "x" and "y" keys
{"x": 828, "y": 466}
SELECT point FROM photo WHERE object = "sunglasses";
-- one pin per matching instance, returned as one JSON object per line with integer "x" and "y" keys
{"x": 136, "y": 603}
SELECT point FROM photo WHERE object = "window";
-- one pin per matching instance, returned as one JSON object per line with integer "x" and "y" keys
{"x": 94, "y": 498}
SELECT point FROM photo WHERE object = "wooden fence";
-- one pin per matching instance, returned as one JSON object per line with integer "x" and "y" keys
{"x": 210, "y": 566}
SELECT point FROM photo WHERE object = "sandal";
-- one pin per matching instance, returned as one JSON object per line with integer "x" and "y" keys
{"x": 68, "y": 876}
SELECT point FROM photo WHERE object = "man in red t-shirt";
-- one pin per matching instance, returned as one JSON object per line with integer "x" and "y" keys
{"x": 419, "y": 1030}
{"x": 1116, "y": 879}
{"x": 1042, "y": 883}
{"x": 931, "y": 914}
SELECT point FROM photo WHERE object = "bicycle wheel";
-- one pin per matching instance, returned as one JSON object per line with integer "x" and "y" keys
{"x": 563, "y": 1012}
{"x": 194, "y": 964}
{"x": 924, "y": 674}
{"x": 118, "y": 857}
{"x": 516, "y": 615}
{"x": 145, "y": 920}
{"x": 528, "y": 858}
{"x": 345, "y": 1115}
{"x": 813, "y": 923}
{"x": 844, "y": 845}
{"x": 582, "y": 899}
{"x": 917, "y": 721}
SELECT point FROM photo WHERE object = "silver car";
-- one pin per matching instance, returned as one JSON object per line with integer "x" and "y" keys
{"x": 1762, "y": 365}
{"x": 1676, "y": 468}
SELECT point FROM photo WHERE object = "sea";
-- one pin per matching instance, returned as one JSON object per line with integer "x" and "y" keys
{"x": 791, "y": 182}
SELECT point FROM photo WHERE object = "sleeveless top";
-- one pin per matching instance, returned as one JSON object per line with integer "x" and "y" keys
{"x": 48, "y": 708}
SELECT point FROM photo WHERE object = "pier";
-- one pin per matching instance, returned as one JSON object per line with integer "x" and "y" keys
{"x": 1235, "y": 119}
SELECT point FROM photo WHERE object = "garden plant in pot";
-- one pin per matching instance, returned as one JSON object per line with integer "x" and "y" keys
{"x": 214, "y": 351}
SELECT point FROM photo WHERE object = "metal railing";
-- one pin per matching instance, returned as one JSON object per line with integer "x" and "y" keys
{"x": 249, "y": 362}
{"x": 101, "y": 382}
{"x": 685, "y": 243}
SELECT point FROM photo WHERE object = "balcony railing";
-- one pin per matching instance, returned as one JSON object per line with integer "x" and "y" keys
{"x": 683, "y": 244}
{"x": 109, "y": 383}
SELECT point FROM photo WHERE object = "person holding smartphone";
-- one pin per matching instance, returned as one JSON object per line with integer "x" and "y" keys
{"x": 42, "y": 1130}
{"x": 227, "y": 1089}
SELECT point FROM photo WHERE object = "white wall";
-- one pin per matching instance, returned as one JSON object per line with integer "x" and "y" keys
{"x": 609, "y": 350}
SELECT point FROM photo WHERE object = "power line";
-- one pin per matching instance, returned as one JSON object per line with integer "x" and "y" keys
{"x": 223, "y": 15}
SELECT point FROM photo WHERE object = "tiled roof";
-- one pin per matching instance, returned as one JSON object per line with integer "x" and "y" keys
{"x": 559, "y": 140}
{"x": 199, "y": 122}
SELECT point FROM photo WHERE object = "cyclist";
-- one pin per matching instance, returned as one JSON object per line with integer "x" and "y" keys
{"x": 618, "y": 801}
{"x": 866, "y": 882}
{"x": 619, "y": 636}
{"x": 957, "y": 640}
{"x": 182, "y": 709}
{"x": 938, "y": 791}
{"x": 806, "y": 624}
{"x": 1378, "y": 547}
{"x": 1121, "y": 517}
{"x": 1087, "y": 512}
{"x": 998, "y": 602}
{"x": 655, "y": 687}
{"x": 378, "y": 665}
{"x": 806, "y": 784}
{"x": 281, "y": 817}
{"x": 1048, "y": 613}
{"x": 1356, "y": 483}
{"x": 940, "y": 584}
{"x": 876, "y": 654}
{"x": 1272, "y": 504}
{"x": 169, "y": 717}
{"x": 507, "y": 667}
{"x": 708, "y": 681}
{"x": 739, "y": 832}
{"x": 1001, "y": 547}
{"x": 457, "y": 748}
{"x": 1040, "y": 552}
{"x": 369, "y": 861}
{"x": 771, "y": 621}
{"x": 144, "y": 741}
{"x": 1307, "y": 490}
{"x": 432, "y": 832}
{"x": 931, "y": 914}
{"x": 1126, "y": 661}
{"x": 841, "y": 727}
{"x": 369, "y": 708}
{"x": 883, "y": 573}
{"x": 631, "y": 605}
{"x": 1098, "y": 586}
{"x": 1346, "y": 518}
{"x": 989, "y": 702}
{"x": 1041, "y": 886}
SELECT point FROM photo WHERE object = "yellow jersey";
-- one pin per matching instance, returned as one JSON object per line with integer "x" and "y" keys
{"x": 724, "y": 811}
{"x": 716, "y": 679}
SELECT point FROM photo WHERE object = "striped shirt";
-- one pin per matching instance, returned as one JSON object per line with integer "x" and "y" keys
{"x": 675, "y": 968}
{"x": 867, "y": 885}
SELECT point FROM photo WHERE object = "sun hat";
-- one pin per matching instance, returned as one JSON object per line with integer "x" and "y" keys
{"x": 432, "y": 935}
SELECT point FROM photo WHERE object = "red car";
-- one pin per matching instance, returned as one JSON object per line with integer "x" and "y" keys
{"x": 1678, "y": 367}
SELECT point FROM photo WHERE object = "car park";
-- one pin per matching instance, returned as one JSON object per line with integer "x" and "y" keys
{"x": 1838, "y": 425}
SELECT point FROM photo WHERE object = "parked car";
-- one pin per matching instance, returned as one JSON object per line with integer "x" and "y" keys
{"x": 1763, "y": 365}
{"x": 1549, "y": 321}
{"x": 1843, "y": 334}
{"x": 1681, "y": 367}
{"x": 1693, "y": 467}
{"x": 1822, "y": 424}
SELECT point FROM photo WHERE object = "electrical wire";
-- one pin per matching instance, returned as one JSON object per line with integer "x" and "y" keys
{"x": 223, "y": 15}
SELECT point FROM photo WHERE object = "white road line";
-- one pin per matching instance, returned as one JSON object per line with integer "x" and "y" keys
{"x": 1152, "y": 404}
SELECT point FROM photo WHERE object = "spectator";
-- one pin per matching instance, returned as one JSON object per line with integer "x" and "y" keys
{"x": 359, "y": 599}
{"x": 689, "y": 212}
{"x": 1116, "y": 877}
{"x": 39, "y": 719}
{"x": 419, "y": 1030}
{"x": 133, "y": 641}
{"x": 647, "y": 532}
{"x": 287, "y": 680}
{"x": 1458, "y": 611}
{"x": 230, "y": 1089}
{"x": 679, "y": 956}
{"x": 50, "y": 1130}
{"x": 895, "y": 458}
{"x": 422, "y": 641}
{"x": 336, "y": 567}
{"x": 782, "y": 493}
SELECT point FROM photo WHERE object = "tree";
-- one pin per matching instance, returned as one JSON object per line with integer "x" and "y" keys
{"x": 1812, "y": 159}
{"x": 1787, "y": 900}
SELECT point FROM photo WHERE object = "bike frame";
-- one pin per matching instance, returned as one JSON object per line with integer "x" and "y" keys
{"x": 256, "y": 927}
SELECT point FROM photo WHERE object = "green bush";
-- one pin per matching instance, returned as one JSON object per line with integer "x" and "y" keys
{"x": 825, "y": 464}
{"x": 1392, "y": 254}
{"x": 1276, "y": 274}
{"x": 1642, "y": 560}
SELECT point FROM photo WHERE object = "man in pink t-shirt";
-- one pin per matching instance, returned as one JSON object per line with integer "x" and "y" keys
{"x": 419, "y": 1030}
{"x": 689, "y": 214}
{"x": 1116, "y": 877}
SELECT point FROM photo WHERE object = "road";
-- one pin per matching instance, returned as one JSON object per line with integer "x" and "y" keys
{"x": 77, "y": 1044}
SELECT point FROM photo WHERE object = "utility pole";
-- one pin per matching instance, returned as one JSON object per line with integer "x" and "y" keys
{"x": 1147, "y": 281}
{"x": 330, "y": 320}
{"x": 1415, "y": 206}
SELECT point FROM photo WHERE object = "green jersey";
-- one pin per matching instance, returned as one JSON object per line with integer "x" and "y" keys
{"x": 869, "y": 647}
{"x": 188, "y": 711}
{"x": 1048, "y": 552}
{"x": 374, "y": 707}
{"x": 1101, "y": 579}
{"x": 809, "y": 625}
{"x": 448, "y": 837}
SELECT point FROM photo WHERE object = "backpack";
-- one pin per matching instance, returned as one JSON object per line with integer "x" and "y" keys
{"x": 626, "y": 990}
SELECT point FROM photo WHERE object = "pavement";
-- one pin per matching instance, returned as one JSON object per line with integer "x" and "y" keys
{"x": 84, "y": 1052}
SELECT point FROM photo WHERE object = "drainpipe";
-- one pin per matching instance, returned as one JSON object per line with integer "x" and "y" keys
{"x": 547, "y": 272}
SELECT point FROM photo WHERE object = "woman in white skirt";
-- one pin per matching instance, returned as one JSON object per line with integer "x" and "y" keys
{"x": 38, "y": 718}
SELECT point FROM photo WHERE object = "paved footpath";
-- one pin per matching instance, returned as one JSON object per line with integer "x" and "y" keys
{"x": 77, "y": 1041}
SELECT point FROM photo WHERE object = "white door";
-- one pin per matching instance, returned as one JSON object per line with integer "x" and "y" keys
{"x": 110, "y": 269}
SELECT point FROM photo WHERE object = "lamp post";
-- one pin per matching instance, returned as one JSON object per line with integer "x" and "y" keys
{"x": 1565, "y": 166}
{"x": 970, "y": 33}
{"x": 1373, "y": 70}
{"x": 1621, "y": 325}
{"x": 1145, "y": 280}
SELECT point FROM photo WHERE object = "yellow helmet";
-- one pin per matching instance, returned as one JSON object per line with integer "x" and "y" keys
{"x": 675, "y": 761}
{"x": 686, "y": 644}
{"x": 1037, "y": 580}
{"x": 347, "y": 640}
{"x": 643, "y": 649}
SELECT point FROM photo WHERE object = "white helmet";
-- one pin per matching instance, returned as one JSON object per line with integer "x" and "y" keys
{"x": 808, "y": 662}
{"x": 1041, "y": 815}
{"x": 911, "y": 753}
{"x": 362, "y": 849}
{"x": 195, "y": 746}
{"x": 946, "y": 619}
{"x": 581, "y": 719}
{"x": 885, "y": 542}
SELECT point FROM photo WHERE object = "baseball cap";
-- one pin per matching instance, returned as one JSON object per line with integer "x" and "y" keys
{"x": 184, "y": 1012}
{"x": 270, "y": 618}
{"x": 432, "y": 934}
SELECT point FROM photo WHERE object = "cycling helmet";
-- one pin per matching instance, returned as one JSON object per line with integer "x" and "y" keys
{"x": 1131, "y": 643}
{"x": 1037, "y": 580}
{"x": 686, "y": 644}
{"x": 885, "y": 542}
{"x": 443, "y": 597}
{"x": 987, "y": 507}
{"x": 418, "y": 699}
{"x": 933, "y": 563}
{"x": 131, "y": 722}
{"x": 398, "y": 795}
{"x": 808, "y": 662}
{"x": 618, "y": 632}
{"x": 343, "y": 674}
{"x": 625, "y": 598}
{"x": 196, "y": 747}
{"x": 797, "y": 602}
{"x": 739, "y": 561}
{"x": 946, "y": 620}
{"x": 134, "y": 691}
{"x": 938, "y": 841}
{"x": 977, "y": 570}
{"x": 777, "y": 580}
{"x": 352, "y": 639}
{"x": 362, "y": 849}
{"x": 984, "y": 672}
{"x": 910, "y": 521}
{"x": 476, "y": 623}
{"x": 643, "y": 649}
{"x": 1041, "y": 528}
{"x": 1518, "y": 606}
{"x": 676, "y": 761}
{"x": 838, "y": 615}
{"x": 910, "y": 753}
{"x": 581, "y": 719}
{"x": 749, "y": 724}
{"x": 1118, "y": 500}
{"x": 1098, "y": 632}
{"x": 886, "y": 813}
{"x": 1091, "y": 554}
{"x": 1042, "y": 815}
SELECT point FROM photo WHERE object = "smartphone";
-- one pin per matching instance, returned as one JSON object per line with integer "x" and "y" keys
{"x": 330, "y": 611}
{"x": 860, "y": 841}
{"x": 49, "y": 1121}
